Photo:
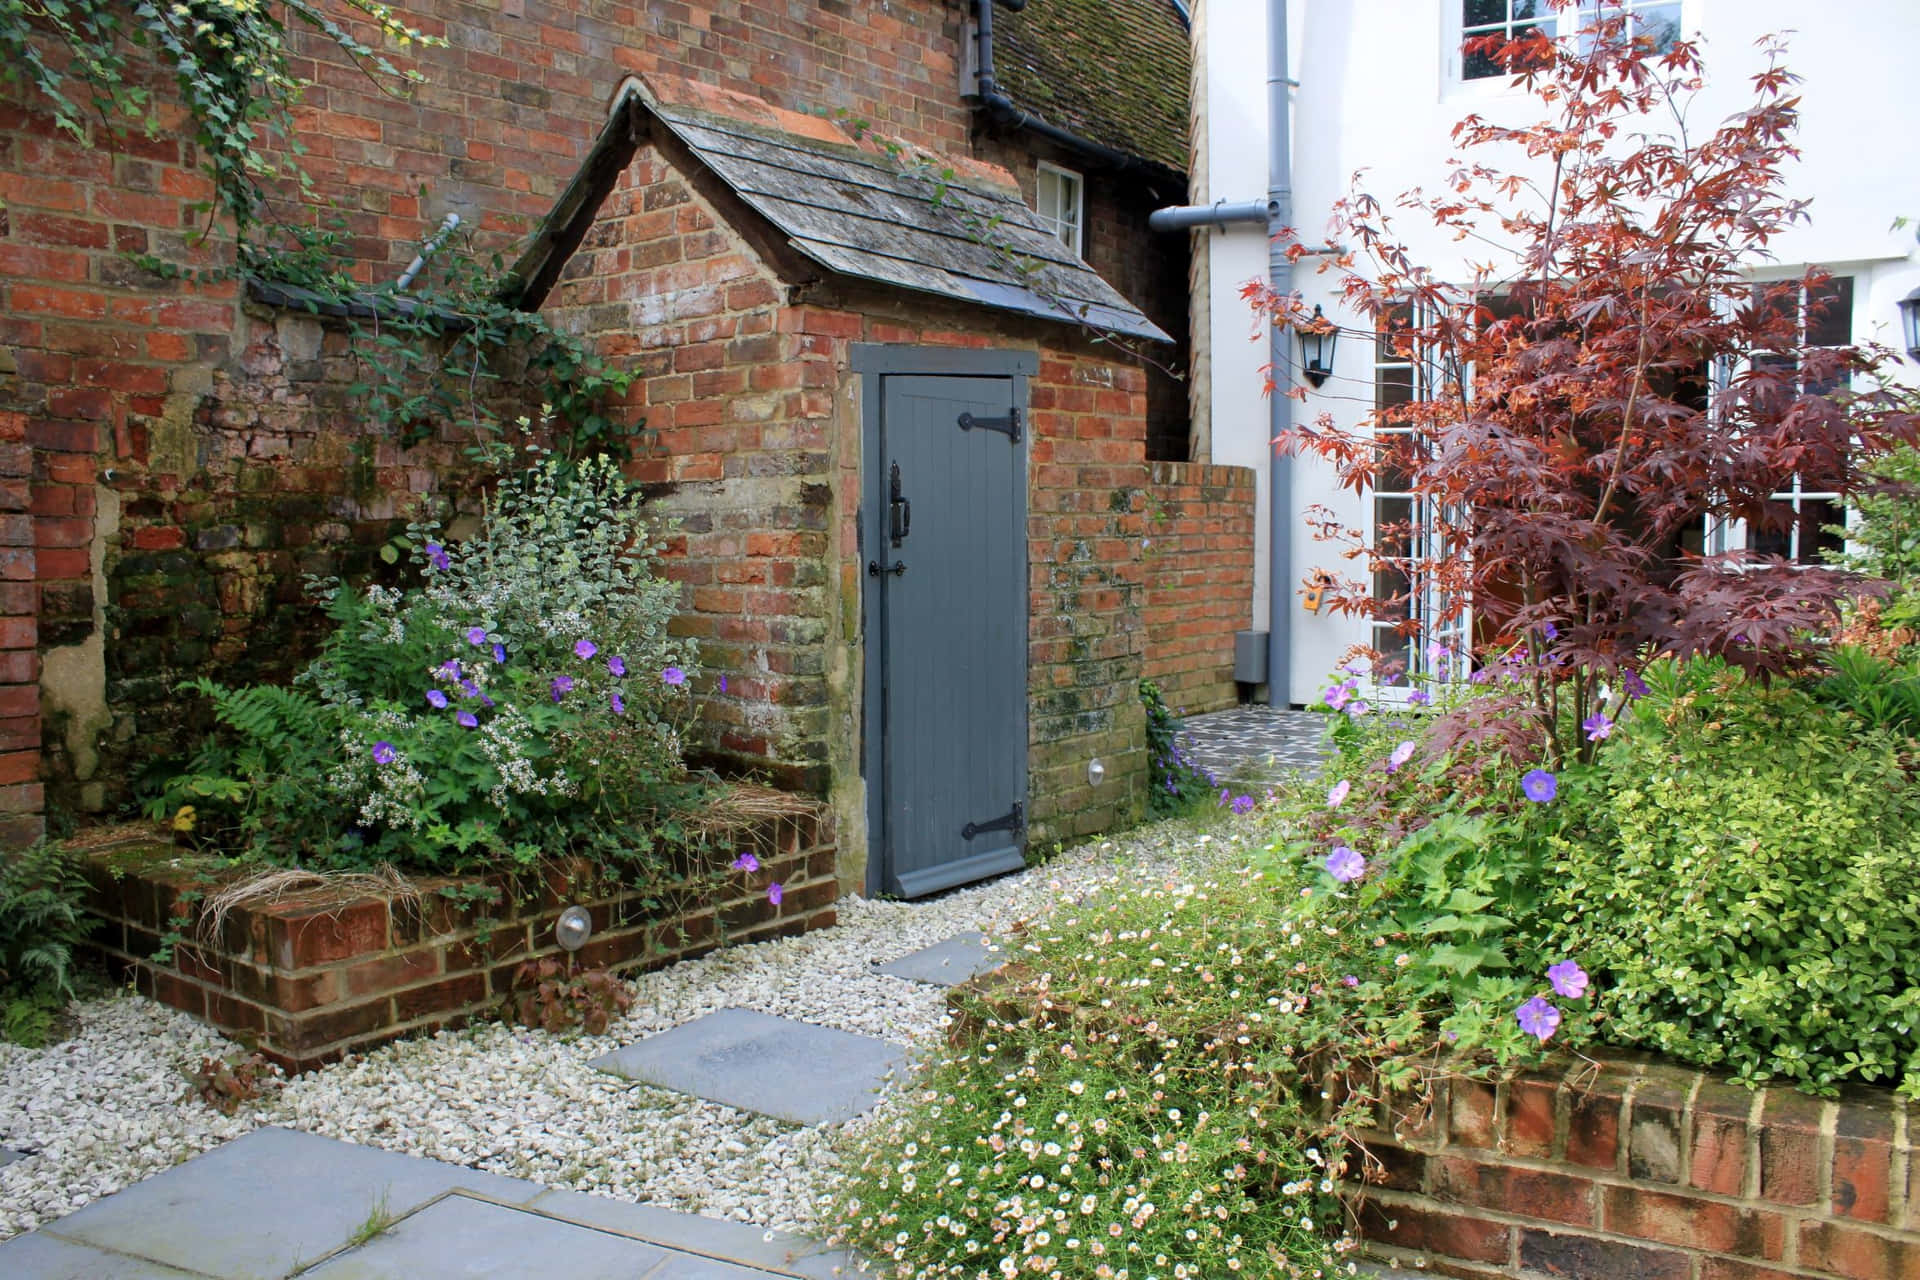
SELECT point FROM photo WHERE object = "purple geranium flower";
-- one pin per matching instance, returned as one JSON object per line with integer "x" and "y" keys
{"x": 1538, "y": 1019}
{"x": 1401, "y": 754}
{"x": 561, "y": 685}
{"x": 449, "y": 669}
{"x": 618, "y": 703}
{"x": 1337, "y": 696}
{"x": 468, "y": 720}
{"x": 469, "y": 688}
{"x": 723, "y": 684}
{"x": 1243, "y": 804}
{"x": 775, "y": 892}
{"x": 617, "y": 665}
{"x": 1419, "y": 698}
{"x": 1568, "y": 979}
{"x": 1633, "y": 684}
{"x": 1540, "y": 786}
{"x": 1344, "y": 865}
{"x": 1597, "y": 726}
{"x": 746, "y": 862}
{"x": 383, "y": 753}
{"x": 437, "y": 556}
{"x": 1356, "y": 709}
{"x": 584, "y": 649}
{"x": 500, "y": 653}
{"x": 1338, "y": 793}
{"x": 1349, "y": 981}
{"x": 674, "y": 676}
{"x": 437, "y": 699}
{"x": 1552, "y": 632}
{"x": 476, "y": 636}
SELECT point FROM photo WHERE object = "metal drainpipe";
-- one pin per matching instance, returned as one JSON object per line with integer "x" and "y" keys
{"x": 1276, "y": 211}
{"x": 426, "y": 251}
{"x": 1279, "y": 404}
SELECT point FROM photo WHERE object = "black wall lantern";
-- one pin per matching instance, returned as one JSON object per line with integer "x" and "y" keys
{"x": 1318, "y": 337}
{"x": 1910, "y": 322}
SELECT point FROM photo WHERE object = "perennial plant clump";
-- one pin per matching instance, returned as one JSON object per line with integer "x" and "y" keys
{"x": 525, "y": 698}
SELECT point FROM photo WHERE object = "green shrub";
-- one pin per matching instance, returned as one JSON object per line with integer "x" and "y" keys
{"x": 1742, "y": 881}
{"x": 525, "y": 699}
{"x": 41, "y": 922}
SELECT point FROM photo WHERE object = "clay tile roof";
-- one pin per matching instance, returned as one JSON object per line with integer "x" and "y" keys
{"x": 1113, "y": 71}
{"x": 931, "y": 224}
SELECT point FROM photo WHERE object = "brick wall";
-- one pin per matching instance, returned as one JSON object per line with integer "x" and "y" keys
{"x": 1148, "y": 268}
{"x": 1630, "y": 1169}
{"x": 1199, "y": 579}
{"x": 310, "y": 977}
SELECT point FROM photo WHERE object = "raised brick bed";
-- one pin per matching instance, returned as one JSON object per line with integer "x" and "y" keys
{"x": 1640, "y": 1170}
{"x": 315, "y": 975}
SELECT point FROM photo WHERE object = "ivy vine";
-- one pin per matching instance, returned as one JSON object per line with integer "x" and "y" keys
{"x": 229, "y": 59}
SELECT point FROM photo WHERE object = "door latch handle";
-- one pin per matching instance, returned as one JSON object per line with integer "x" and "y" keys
{"x": 899, "y": 510}
{"x": 897, "y": 568}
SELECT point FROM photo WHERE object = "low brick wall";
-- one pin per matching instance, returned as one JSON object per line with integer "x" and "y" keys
{"x": 1644, "y": 1171}
{"x": 314, "y": 976}
{"x": 1199, "y": 561}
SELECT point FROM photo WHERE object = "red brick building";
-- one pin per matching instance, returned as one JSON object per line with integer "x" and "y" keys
{"x": 174, "y": 455}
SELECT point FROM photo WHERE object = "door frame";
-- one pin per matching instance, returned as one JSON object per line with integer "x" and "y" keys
{"x": 873, "y": 362}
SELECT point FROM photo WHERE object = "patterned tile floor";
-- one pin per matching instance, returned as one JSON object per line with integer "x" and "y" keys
{"x": 1256, "y": 743}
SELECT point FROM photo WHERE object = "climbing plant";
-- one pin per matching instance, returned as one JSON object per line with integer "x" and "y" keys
{"x": 230, "y": 61}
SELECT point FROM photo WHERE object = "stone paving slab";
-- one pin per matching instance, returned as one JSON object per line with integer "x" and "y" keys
{"x": 948, "y": 963}
{"x": 792, "y": 1071}
{"x": 714, "y": 1237}
{"x": 40, "y": 1256}
{"x": 266, "y": 1203}
{"x": 8, "y": 1157}
{"x": 461, "y": 1236}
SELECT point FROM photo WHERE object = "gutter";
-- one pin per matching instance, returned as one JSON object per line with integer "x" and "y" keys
{"x": 1003, "y": 110}
{"x": 1277, "y": 212}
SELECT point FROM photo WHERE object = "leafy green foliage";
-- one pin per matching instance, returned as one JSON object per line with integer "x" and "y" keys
{"x": 41, "y": 922}
{"x": 453, "y": 347}
{"x": 524, "y": 700}
{"x": 230, "y": 61}
{"x": 1741, "y": 881}
{"x": 1883, "y": 692}
{"x": 1177, "y": 785}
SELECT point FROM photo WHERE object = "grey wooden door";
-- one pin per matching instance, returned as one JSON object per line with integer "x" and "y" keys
{"x": 947, "y": 566}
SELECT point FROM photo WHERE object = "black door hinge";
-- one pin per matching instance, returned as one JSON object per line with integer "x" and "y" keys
{"x": 1014, "y": 821}
{"x": 1009, "y": 424}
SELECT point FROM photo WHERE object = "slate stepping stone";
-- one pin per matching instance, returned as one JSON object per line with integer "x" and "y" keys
{"x": 778, "y": 1067}
{"x": 460, "y": 1236}
{"x": 8, "y": 1157}
{"x": 949, "y": 963}
{"x": 265, "y": 1204}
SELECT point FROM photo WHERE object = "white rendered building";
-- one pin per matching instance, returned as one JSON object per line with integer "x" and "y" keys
{"x": 1377, "y": 87}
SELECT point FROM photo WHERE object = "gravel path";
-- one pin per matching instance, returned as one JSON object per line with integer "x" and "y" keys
{"x": 112, "y": 1105}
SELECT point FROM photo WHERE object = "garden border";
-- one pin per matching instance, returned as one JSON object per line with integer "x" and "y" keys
{"x": 313, "y": 976}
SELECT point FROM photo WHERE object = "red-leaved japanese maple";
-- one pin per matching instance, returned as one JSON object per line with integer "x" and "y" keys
{"x": 1608, "y": 380}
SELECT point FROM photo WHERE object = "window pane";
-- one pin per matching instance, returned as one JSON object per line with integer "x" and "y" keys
{"x": 1816, "y": 516}
{"x": 1481, "y": 13}
{"x": 1475, "y": 65}
{"x": 1392, "y": 385}
{"x": 1392, "y": 646}
{"x": 1658, "y": 24}
{"x": 1773, "y": 535}
{"x": 1830, "y": 313}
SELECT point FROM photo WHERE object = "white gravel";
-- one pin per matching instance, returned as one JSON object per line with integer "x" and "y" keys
{"x": 113, "y": 1104}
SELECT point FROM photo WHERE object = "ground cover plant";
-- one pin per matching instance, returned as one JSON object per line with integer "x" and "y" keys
{"x": 523, "y": 698}
{"x": 41, "y": 925}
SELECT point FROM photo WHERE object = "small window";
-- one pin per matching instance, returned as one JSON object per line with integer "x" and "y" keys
{"x": 1656, "y": 21}
{"x": 1058, "y": 199}
{"x": 1507, "y": 19}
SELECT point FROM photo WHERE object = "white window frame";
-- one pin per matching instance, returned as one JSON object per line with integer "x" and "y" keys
{"x": 1454, "y": 81}
{"x": 1724, "y": 536}
{"x": 1427, "y": 602}
{"x": 1070, "y": 232}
